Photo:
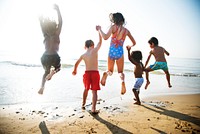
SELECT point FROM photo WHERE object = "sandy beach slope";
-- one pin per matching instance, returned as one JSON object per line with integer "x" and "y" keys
{"x": 172, "y": 114}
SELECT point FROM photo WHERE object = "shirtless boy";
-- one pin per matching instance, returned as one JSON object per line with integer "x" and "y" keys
{"x": 91, "y": 77}
{"x": 135, "y": 57}
{"x": 159, "y": 53}
{"x": 50, "y": 57}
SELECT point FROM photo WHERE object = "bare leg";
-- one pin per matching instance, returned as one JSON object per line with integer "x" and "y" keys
{"x": 49, "y": 76}
{"x": 94, "y": 100}
{"x": 43, "y": 83}
{"x": 168, "y": 78}
{"x": 136, "y": 97}
{"x": 85, "y": 94}
{"x": 123, "y": 87}
{"x": 103, "y": 79}
{"x": 147, "y": 79}
{"x": 147, "y": 70}
{"x": 109, "y": 72}
{"x": 120, "y": 68}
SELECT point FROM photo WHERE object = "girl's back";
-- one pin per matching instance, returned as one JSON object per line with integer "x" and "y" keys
{"x": 119, "y": 32}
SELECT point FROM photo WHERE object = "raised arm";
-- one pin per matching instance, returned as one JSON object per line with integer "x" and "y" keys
{"x": 131, "y": 38}
{"x": 100, "y": 38}
{"x": 59, "y": 19}
{"x": 129, "y": 56}
{"x": 105, "y": 35}
{"x": 41, "y": 19}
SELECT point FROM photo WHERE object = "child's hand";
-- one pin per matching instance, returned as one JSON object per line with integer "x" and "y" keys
{"x": 55, "y": 6}
{"x": 98, "y": 27}
{"x": 74, "y": 73}
{"x": 128, "y": 48}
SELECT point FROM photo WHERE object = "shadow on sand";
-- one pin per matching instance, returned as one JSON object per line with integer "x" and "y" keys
{"x": 157, "y": 130}
{"x": 113, "y": 128}
{"x": 43, "y": 128}
{"x": 174, "y": 114}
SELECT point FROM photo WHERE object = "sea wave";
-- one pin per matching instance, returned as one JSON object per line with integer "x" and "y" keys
{"x": 20, "y": 64}
{"x": 103, "y": 67}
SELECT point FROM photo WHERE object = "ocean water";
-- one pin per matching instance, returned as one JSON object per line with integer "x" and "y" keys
{"x": 20, "y": 80}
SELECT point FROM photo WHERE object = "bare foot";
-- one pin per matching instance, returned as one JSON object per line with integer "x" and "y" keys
{"x": 137, "y": 103}
{"x": 169, "y": 86}
{"x": 83, "y": 107}
{"x": 123, "y": 90}
{"x": 147, "y": 84}
{"x": 103, "y": 80}
{"x": 95, "y": 112}
{"x": 41, "y": 90}
{"x": 49, "y": 76}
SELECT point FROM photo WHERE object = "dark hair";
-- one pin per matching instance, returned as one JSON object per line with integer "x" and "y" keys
{"x": 153, "y": 40}
{"x": 117, "y": 18}
{"x": 136, "y": 55}
{"x": 89, "y": 43}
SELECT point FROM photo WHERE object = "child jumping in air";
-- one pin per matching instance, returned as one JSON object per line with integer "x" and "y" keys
{"x": 91, "y": 77}
{"x": 135, "y": 57}
{"x": 50, "y": 58}
{"x": 118, "y": 34}
{"x": 159, "y": 53}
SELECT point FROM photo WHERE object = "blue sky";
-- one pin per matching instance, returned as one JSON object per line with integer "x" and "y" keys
{"x": 176, "y": 24}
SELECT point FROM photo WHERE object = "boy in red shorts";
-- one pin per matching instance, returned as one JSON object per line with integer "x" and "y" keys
{"x": 91, "y": 77}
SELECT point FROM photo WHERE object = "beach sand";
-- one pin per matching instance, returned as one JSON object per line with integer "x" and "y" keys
{"x": 170, "y": 114}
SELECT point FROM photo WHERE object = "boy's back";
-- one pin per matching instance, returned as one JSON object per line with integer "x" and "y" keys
{"x": 90, "y": 58}
{"x": 91, "y": 76}
{"x": 159, "y": 53}
{"x": 138, "y": 71}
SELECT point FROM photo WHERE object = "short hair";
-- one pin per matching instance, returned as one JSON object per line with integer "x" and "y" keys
{"x": 136, "y": 55}
{"x": 153, "y": 40}
{"x": 89, "y": 43}
{"x": 117, "y": 18}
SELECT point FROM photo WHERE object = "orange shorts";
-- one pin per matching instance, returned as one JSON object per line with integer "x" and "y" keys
{"x": 91, "y": 80}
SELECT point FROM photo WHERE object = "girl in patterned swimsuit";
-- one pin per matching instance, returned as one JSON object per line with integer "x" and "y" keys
{"x": 116, "y": 52}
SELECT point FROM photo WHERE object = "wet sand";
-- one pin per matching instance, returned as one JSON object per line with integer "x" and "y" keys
{"x": 170, "y": 114}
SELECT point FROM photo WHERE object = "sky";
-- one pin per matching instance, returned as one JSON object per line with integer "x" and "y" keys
{"x": 176, "y": 24}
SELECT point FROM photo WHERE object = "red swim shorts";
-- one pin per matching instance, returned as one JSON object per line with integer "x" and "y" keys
{"x": 91, "y": 80}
